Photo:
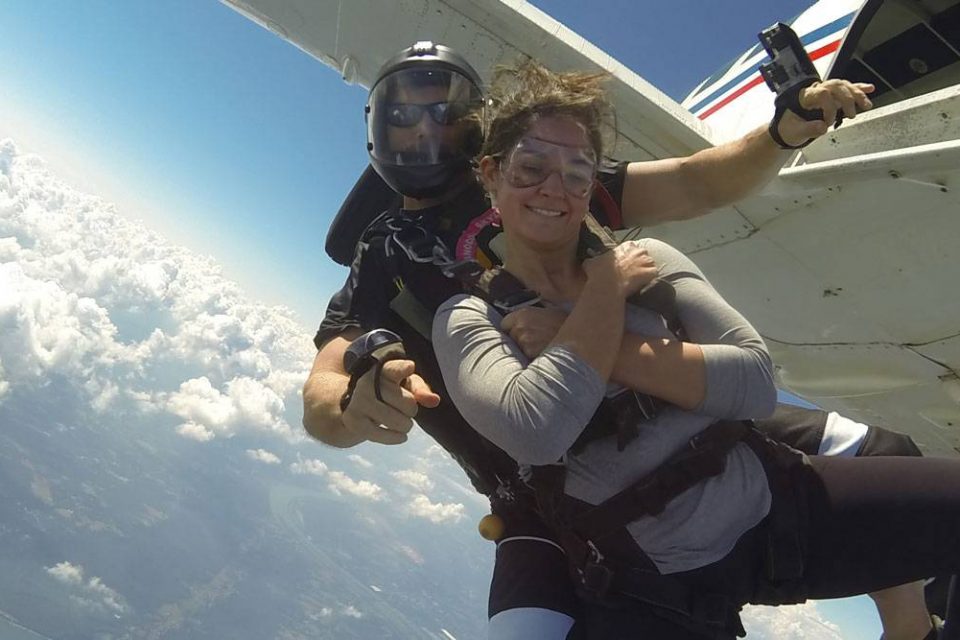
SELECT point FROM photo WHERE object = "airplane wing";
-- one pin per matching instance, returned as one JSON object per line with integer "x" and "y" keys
{"x": 356, "y": 37}
{"x": 846, "y": 263}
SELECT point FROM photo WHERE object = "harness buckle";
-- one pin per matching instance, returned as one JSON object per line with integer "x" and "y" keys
{"x": 416, "y": 243}
{"x": 518, "y": 300}
{"x": 464, "y": 270}
{"x": 595, "y": 577}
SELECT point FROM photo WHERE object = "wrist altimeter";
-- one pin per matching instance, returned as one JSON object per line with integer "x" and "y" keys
{"x": 369, "y": 351}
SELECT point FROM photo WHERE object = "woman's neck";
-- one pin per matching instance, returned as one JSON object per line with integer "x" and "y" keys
{"x": 554, "y": 273}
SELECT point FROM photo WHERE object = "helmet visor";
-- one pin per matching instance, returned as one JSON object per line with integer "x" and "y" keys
{"x": 420, "y": 117}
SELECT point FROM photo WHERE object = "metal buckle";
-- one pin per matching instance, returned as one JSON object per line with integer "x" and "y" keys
{"x": 595, "y": 577}
{"x": 517, "y": 300}
{"x": 469, "y": 270}
{"x": 416, "y": 243}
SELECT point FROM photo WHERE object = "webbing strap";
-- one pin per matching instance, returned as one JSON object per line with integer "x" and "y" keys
{"x": 702, "y": 458}
{"x": 789, "y": 100}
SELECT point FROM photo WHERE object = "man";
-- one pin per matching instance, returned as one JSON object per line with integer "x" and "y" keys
{"x": 423, "y": 129}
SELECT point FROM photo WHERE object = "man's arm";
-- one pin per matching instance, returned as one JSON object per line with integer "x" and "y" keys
{"x": 365, "y": 418}
{"x": 683, "y": 188}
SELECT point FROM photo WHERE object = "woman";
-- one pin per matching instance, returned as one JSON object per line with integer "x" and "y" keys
{"x": 721, "y": 538}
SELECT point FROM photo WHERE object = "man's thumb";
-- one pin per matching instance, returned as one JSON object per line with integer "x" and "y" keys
{"x": 422, "y": 392}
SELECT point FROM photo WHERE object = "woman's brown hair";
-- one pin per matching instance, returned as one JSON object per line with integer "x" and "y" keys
{"x": 525, "y": 91}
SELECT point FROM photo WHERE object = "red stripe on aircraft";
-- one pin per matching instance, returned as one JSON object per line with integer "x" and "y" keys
{"x": 814, "y": 55}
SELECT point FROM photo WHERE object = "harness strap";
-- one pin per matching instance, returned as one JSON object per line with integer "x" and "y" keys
{"x": 702, "y": 458}
{"x": 784, "y": 562}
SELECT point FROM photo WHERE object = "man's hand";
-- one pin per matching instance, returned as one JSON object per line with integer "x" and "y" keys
{"x": 832, "y": 97}
{"x": 533, "y": 328}
{"x": 388, "y": 422}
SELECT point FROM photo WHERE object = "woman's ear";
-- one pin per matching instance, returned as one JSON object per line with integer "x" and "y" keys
{"x": 489, "y": 170}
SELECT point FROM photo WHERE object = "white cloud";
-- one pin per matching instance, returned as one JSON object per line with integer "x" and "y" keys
{"x": 262, "y": 455}
{"x": 415, "y": 556}
{"x": 348, "y": 611}
{"x": 132, "y": 322}
{"x": 66, "y": 573}
{"x": 416, "y": 479}
{"x": 311, "y": 467}
{"x": 359, "y": 460}
{"x": 247, "y": 405}
{"x": 796, "y": 622}
{"x": 92, "y": 594}
{"x": 352, "y": 612}
{"x": 341, "y": 483}
{"x": 195, "y": 431}
{"x": 436, "y": 513}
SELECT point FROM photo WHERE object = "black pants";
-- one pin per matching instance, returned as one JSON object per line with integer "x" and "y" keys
{"x": 531, "y": 594}
{"x": 871, "y": 523}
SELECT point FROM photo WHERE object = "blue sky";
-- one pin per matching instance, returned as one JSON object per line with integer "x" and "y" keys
{"x": 238, "y": 145}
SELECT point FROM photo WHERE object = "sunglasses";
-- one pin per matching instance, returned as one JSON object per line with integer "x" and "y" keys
{"x": 403, "y": 114}
{"x": 533, "y": 160}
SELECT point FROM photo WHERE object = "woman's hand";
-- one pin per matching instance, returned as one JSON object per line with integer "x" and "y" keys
{"x": 635, "y": 267}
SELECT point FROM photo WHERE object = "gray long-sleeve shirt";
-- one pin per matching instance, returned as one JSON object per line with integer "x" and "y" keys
{"x": 535, "y": 410}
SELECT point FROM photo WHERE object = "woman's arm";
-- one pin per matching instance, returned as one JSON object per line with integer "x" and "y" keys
{"x": 734, "y": 379}
{"x": 532, "y": 409}
{"x": 535, "y": 410}
{"x": 737, "y": 369}
{"x": 671, "y": 370}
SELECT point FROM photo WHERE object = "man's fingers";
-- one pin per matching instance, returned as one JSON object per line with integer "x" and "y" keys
{"x": 509, "y": 322}
{"x": 386, "y": 436}
{"x": 396, "y": 370}
{"x": 863, "y": 102}
{"x": 421, "y": 391}
{"x": 847, "y": 101}
{"x": 829, "y": 113}
{"x": 391, "y": 417}
{"x": 368, "y": 429}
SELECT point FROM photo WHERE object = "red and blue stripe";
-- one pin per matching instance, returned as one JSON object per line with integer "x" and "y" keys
{"x": 751, "y": 77}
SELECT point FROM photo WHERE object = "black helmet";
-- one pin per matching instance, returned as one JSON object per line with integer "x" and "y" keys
{"x": 424, "y": 118}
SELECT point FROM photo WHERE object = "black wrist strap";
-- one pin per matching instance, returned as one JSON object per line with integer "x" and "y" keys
{"x": 359, "y": 369}
{"x": 790, "y": 100}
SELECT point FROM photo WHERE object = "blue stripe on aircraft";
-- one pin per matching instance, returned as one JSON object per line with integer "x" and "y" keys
{"x": 813, "y": 36}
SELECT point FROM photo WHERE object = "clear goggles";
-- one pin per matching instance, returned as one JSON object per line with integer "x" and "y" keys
{"x": 533, "y": 160}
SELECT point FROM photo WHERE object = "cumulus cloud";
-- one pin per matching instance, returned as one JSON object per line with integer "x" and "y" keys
{"x": 66, "y": 573}
{"x": 195, "y": 431}
{"x": 312, "y": 467}
{"x": 132, "y": 322}
{"x": 341, "y": 483}
{"x": 416, "y": 479}
{"x": 359, "y": 460}
{"x": 262, "y": 455}
{"x": 797, "y": 622}
{"x": 92, "y": 594}
{"x": 436, "y": 513}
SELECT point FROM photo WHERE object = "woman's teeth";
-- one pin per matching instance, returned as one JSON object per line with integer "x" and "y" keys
{"x": 550, "y": 213}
